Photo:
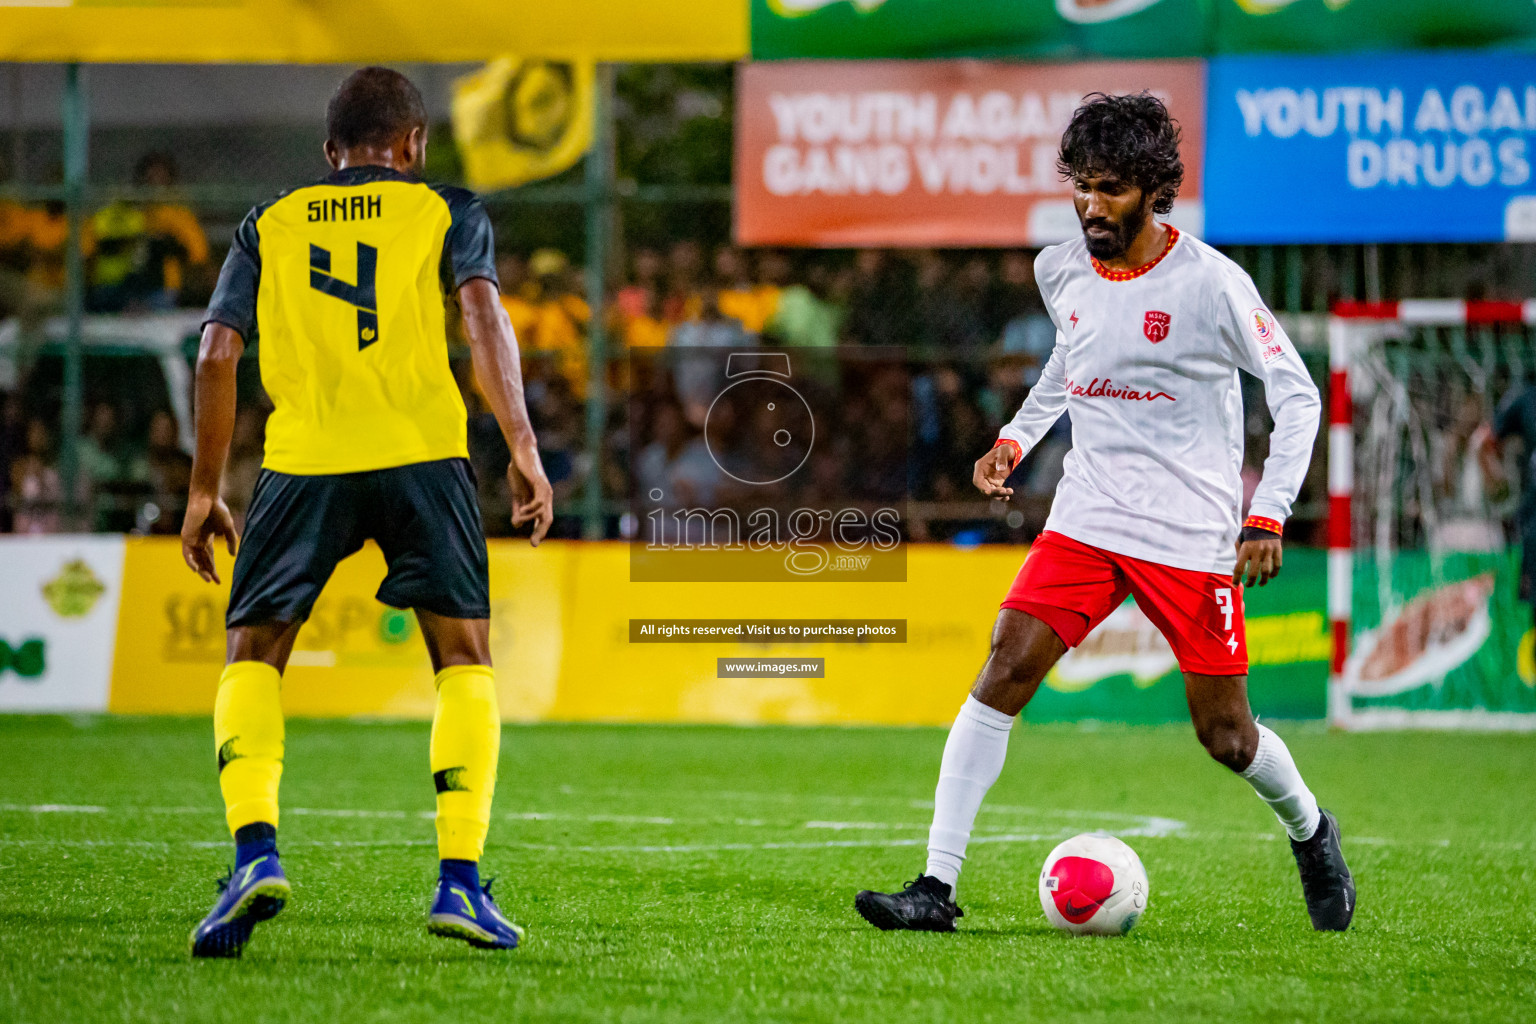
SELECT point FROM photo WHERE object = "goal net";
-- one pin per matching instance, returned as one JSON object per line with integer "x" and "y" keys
{"x": 1429, "y": 627}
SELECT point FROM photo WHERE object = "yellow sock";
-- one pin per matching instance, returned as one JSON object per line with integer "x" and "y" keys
{"x": 466, "y": 741}
{"x": 248, "y": 735}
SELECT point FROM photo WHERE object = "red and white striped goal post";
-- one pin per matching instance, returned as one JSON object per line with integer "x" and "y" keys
{"x": 1343, "y": 334}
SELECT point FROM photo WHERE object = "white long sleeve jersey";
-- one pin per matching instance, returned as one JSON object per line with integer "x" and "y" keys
{"x": 1146, "y": 363}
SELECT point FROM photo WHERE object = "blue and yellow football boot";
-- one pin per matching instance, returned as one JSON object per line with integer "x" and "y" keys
{"x": 467, "y": 912}
{"x": 249, "y": 894}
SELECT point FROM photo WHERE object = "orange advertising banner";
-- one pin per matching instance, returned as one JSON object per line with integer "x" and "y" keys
{"x": 931, "y": 153}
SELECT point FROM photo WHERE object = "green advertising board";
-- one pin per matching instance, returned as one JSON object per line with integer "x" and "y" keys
{"x": 1125, "y": 672}
{"x": 1334, "y": 26}
{"x": 936, "y": 28}
{"x": 1438, "y": 641}
{"x": 1068, "y": 29}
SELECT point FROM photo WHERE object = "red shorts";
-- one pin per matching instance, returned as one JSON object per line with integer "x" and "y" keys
{"x": 1072, "y": 587}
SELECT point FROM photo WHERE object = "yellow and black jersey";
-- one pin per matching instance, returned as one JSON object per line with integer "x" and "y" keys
{"x": 345, "y": 283}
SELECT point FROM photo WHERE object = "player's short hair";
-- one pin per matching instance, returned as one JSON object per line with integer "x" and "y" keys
{"x": 373, "y": 107}
{"x": 1131, "y": 137}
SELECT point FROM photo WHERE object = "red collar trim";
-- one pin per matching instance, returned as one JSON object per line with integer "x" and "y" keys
{"x": 1131, "y": 275}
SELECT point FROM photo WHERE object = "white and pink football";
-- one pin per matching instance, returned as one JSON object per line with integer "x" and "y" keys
{"x": 1093, "y": 884}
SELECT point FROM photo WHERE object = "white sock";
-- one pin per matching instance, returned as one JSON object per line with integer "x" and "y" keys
{"x": 1274, "y": 777}
{"x": 973, "y": 758}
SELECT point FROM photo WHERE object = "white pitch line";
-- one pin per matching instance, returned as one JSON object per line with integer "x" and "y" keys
{"x": 211, "y": 810}
{"x": 684, "y": 848}
{"x": 1141, "y": 826}
{"x": 553, "y": 847}
{"x": 1156, "y": 825}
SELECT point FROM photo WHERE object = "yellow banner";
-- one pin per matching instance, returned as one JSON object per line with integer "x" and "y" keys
{"x": 565, "y": 648}
{"x": 560, "y": 641}
{"x": 521, "y": 119}
{"x": 355, "y": 656}
{"x": 346, "y": 32}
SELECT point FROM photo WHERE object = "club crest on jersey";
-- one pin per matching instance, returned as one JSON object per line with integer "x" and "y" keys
{"x": 1156, "y": 325}
{"x": 1263, "y": 324}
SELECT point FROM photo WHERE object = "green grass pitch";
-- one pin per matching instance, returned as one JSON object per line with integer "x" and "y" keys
{"x": 682, "y": 873}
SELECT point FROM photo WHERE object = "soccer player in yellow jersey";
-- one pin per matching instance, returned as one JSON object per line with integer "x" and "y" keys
{"x": 346, "y": 282}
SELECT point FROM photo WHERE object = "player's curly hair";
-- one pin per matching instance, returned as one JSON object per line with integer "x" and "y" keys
{"x": 1129, "y": 136}
{"x": 373, "y": 107}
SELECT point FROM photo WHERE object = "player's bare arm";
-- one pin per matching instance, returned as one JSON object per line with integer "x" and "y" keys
{"x": 207, "y": 516}
{"x": 493, "y": 346}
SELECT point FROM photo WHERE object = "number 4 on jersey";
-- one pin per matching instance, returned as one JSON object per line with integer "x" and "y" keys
{"x": 362, "y": 295}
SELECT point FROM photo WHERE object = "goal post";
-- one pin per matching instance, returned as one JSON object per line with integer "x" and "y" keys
{"x": 1428, "y": 627}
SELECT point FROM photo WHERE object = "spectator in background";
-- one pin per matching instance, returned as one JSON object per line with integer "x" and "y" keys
{"x": 558, "y": 338}
{"x": 119, "y": 266}
{"x": 879, "y": 300}
{"x": 710, "y": 327}
{"x": 173, "y": 228}
{"x": 106, "y": 457}
{"x": 880, "y": 439}
{"x": 1017, "y": 313}
{"x": 15, "y": 229}
{"x": 32, "y": 240}
{"x": 37, "y": 493}
{"x": 244, "y": 465}
{"x": 559, "y": 421}
{"x": 685, "y": 262}
{"x": 1014, "y": 294}
{"x": 677, "y": 464}
{"x": 699, "y": 376}
{"x": 141, "y": 252}
{"x": 753, "y": 303}
{"x": 518, "y": 295}
{"x": 1005, "y": 389}
{"x": 807, "y": 315}
{"x": 948, "y": 314}
{"x": 113, "y": 471}
{"x": 12, "y": 438}
{"x": 638, "y": 320}
{"x": 647, "y": 329}
{"x": 170, "y": 474}
{"x": 641, "y": 295}
{"x": 943, "y": 432}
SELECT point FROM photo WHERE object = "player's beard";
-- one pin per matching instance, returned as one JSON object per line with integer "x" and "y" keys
{"x": 1114, "y": 245}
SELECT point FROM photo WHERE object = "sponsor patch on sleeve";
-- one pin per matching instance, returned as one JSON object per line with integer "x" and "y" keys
{"x": 1261, "y": 323}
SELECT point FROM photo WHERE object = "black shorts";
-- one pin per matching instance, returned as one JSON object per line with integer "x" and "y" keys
{"x": 424, "y": 517}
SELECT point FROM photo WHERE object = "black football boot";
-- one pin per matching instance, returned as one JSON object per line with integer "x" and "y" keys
{"x": 925, "y": 905}
{"x": 1325, "y": 879}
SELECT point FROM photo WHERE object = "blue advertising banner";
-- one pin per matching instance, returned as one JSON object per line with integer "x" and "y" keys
{"x": 1392, "y": 148}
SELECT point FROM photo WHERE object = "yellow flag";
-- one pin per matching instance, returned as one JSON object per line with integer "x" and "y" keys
{"x": 519, "y": 119}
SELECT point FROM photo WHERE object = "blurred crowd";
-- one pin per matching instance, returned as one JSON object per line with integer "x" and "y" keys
{"x": 141, "y": 254}
{"x": 918, "y": 355}
{"x": 915, "y": 357}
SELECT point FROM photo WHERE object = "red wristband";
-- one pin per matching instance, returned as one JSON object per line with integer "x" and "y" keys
{"x": 1018, "y": 452}
{"x": 1272, "y": 525}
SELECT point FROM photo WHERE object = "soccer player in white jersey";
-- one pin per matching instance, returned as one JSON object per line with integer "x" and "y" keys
{"x": 1152, "y": 328}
